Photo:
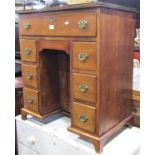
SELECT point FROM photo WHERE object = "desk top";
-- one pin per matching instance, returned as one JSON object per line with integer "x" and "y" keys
{"x": 80, "y": 6}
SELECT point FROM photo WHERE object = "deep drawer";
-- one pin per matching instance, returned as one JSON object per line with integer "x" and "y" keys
{"x": 84, "y": 87}
{"x": 31, "y": 99}
{"x": 29, "y": 74}
{"x": 28, "y": 50}
{"x": 84, "y": 117}
{"x": 75, "y": 24}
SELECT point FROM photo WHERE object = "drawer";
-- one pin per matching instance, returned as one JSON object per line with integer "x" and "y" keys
{"x": 29, "y": 75}
{"x": 84, "y": 117}
{"x": 84, "y": 87}
{"x": 31, "y": 99}
{"x": 34, "y": 139}
{"x": 28, "y": 50}
{"x": 23, "y": 150}
{"x": 74, "y": 24}
{"x": 84, "y": 55}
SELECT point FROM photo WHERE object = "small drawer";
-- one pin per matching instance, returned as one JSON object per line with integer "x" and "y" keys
{"x": 84, "y": 87}
{"x": 84, "y": 55}
{"x": 28, "y": 50}
{"x": 68, "y": 24}
{"x": 31, "y": 99}
{"x": 29, "y": 75}
{"x": 84, "y": 117}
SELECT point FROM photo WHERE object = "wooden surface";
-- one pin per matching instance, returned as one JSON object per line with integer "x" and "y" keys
{"x": 88, "y": 48}
{"x": 116, "y": 67}
{"x": 32, "y": 70}
{"x": 136, "y": 108}
{"x": 40, "y": 26}
{"x": 83, "y": 6}
{"x": 49, "y": 81}
{"x": 90, "y": 81}
{"x": 31, "y": 44}
{"x": 35, "y": 100}
{"x": 88, "y": 111}
{"x": 109, "y": 41}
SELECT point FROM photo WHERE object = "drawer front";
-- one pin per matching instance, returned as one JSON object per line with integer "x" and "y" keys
{"x": 23, "y": 150}
{"x": 75, "y": 24}
{"x": 84, "y": 87}
{"x": 84, "y": 55}
{"x": 29, "y": 74}
{"x": 31, "y": 99}
{"x": 28, "y": 50}
{"x": 34, "y": 138}
{"x": 84, "y": 117}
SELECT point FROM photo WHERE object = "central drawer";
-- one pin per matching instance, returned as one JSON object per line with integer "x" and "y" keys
{"x": 75, "y": 24}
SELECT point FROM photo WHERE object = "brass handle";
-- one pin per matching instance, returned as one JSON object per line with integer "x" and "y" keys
{"x": 30, "y": 99}
{"x": 83, "y": 88}
{"x": 83, "y": 57}
{"x": 26, "y": 25}
{"x": 83, "y": 118}
{"x": 27, "y": 51}
{"x": 82, "y": 24}
{"x": 29, "y": 75}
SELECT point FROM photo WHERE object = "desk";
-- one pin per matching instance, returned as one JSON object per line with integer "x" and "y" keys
{"x": 78, "y": 59}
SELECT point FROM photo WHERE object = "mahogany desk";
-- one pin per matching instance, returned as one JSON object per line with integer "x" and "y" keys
{"x": 78, "y": 59}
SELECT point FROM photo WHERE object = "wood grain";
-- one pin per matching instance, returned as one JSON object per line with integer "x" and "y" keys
{"x": 90, "y": 81}
{"x": 88, "y": 48}
{"x": 35, "y": 100}
{"x": 40, "y": 26}
{"x": 28, "y": 43}
{"x": 49, "y": 81}
{"x": 109, "y": 41}
{"x": 30, "y": 69}
{"x": 88, "y": 111}
{"x": 117, "y": 35}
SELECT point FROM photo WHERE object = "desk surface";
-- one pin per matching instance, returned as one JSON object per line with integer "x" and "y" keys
{"x": 80, "y": 6}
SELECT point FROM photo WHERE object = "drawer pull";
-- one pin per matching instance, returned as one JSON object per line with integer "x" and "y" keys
{"x": 31, "y": 140}
{"x": 27, "y": 51}
{"x": 26, "y": 26}
{"x": 83, "y": 57}
{"x": 30, "y": 99}
{"x": 82, "y": 24}
{"x": 29, "y": 75}
{"x": 83, "y": 118}
{"x": 83, "y": 88}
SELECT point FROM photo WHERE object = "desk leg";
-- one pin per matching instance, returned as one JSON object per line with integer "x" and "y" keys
{"x": 23, "y": 114}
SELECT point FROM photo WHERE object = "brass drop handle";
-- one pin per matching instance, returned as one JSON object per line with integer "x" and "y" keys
{"x": 29, "y": 75}
{"x": 82, "y": 24}
{"x": 83, "y": 57}
{"x": 30, "y": 99}
{"x": 26, "y": 25}
{"x": 83, "y": 118}
{"x": 83, "y": 88}
{"x": 27, "y": 51}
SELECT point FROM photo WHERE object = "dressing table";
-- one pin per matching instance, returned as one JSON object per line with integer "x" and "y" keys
{"x": 78, "y": 59}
